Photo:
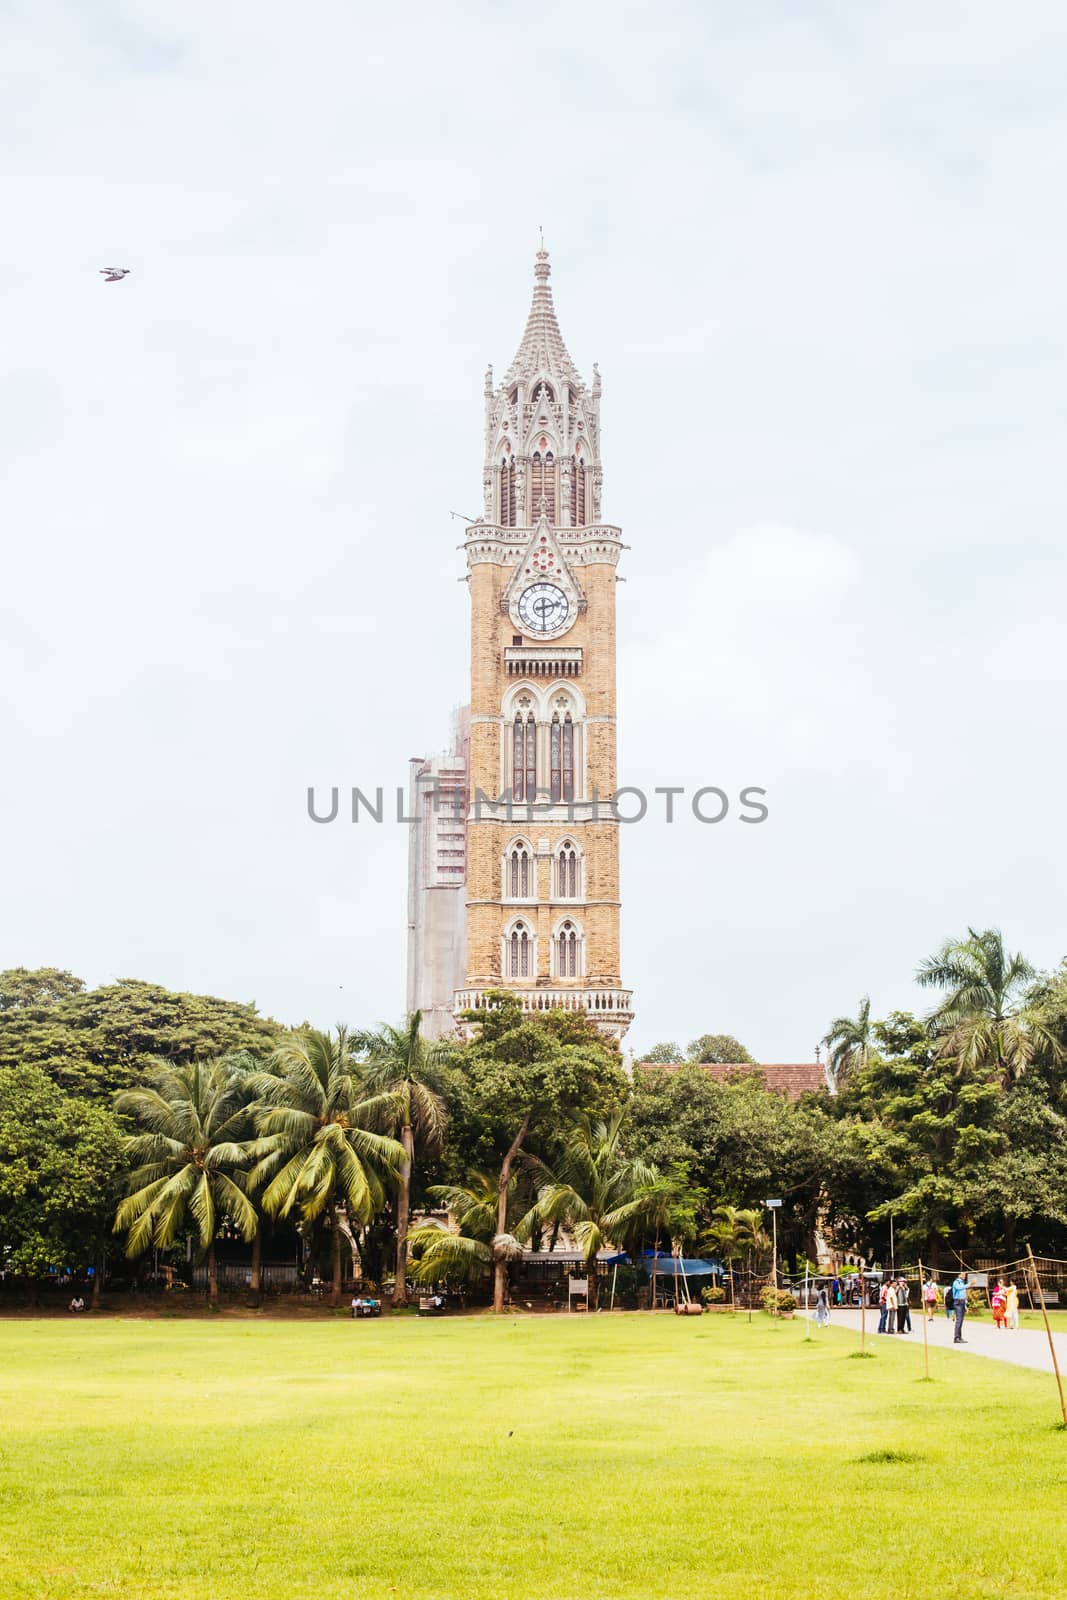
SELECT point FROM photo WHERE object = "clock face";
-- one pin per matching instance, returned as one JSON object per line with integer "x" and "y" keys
{"x": 543, "y": 608}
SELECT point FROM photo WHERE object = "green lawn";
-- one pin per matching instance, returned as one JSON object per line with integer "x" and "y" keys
{"x": 520, "y": 1459}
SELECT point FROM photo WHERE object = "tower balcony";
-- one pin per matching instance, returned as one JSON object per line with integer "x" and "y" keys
{"x": 610, "y": 1009}
{"x": 543, "y": 660}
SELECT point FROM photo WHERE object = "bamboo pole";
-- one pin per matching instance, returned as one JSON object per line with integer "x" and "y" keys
{"x": 863, "y": 1309}
{"x": 922, "y": 1314}
{"x": 807, "y": 1304}
{"x": 1048, "y": 1331}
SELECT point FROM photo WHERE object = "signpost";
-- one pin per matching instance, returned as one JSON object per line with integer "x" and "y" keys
{"x": 773, "y": 1207}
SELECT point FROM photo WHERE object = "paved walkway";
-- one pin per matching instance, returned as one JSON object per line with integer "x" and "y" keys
{"x": 1027, "y": 1347}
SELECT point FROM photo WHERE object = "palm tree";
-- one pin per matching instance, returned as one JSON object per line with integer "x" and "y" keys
{"x": 402, "y": 1064}
{"x": 315, "y": 1152}
{"x": 848, "y": 1042}
{"x": 595, "y": 1189}
{"x": 191, "y": 1153}
{"x": 736, "y": 1234}
{"x": 469, "y": 1249}
{"x": 667, "y": 1203}
{"x": 985, "y": 1018}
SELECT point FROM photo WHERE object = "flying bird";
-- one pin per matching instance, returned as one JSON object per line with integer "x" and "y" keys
{"x": 114, "y": 274}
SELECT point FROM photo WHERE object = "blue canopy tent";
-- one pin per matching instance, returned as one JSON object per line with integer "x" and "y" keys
{"x": 678, "y": 1270}
{"x": 663, "y": 1263}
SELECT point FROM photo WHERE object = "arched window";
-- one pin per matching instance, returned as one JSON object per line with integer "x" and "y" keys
{"x": 542, "y": 483}
{"x": 507, "y": 493}
{"x": 568, "y": 946}
{"x": 567, "y": 881}
{"x": 561, "y": 745}
{"x": 519, "y": 947}
{"x": 524, "y": 757}
{"x": 519, "y": 871}
{"x": 561, "y": 749}
{"x": 578, "y": 493}
{"x": 568, "y": 757}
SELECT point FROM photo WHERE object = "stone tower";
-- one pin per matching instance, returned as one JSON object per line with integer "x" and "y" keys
{"x": 542, "y": 842}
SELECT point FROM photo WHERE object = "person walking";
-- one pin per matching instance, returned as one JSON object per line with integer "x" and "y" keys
{"x": 930, "y": 1298}
{"x": 891, "y": 1308}
{"x": 950, "y": 1304}
{"x": 883, "y": 1307}
{"x": 1011, "y": 1308}
{"x": 959, "y": 1306}
{"x": 999, "y": 1305}
{"x": 822, "y": 1309}
{"x": 903, "y": 1306}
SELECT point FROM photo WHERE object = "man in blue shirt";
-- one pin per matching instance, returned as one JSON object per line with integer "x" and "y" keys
{"x": 959, "y": 1301}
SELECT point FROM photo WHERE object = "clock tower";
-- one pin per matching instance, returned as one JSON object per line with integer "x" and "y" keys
{"x": 542, "y": 841}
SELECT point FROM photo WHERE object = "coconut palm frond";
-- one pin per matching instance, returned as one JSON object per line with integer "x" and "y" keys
{"x": 230, "y": 1198}
{"x": 138, "y": 1203}
{"x": 202, "y": 1209}
{"x": 441, "y": 1255}
{"x": 293, "y": 1124}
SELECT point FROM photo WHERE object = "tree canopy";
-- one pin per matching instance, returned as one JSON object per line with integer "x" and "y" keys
{"x": 62, "y": 1163}
{"x": 97, "y": 1042}
{"x": 719, "y": 1048}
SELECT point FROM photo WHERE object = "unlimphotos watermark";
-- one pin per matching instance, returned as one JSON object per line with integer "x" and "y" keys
{"x": 665, "y": 802}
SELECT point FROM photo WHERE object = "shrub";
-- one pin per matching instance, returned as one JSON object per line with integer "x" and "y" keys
{"x": 713, "y": 1295}
{"x": 785, "y": 1302}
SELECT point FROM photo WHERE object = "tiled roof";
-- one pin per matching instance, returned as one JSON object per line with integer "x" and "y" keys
{"x": 791, "y": 1078}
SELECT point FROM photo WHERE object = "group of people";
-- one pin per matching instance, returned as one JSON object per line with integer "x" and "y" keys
{"x": 894, "y": 1308}
{"x": 1005, "y": 1301}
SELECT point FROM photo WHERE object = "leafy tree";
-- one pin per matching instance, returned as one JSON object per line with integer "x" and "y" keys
{"x": 527, "y": 1073}
{"x": 595, "y": 1189}
{"x": 669, "y": 1205}
{"x": 738, "y": 1141}
{"x": 316, "y": 1152}
{"x": 921, "y": 1129}
{"x": 192, "y": 1155}
{"x": 98, "y": 1041}
{"x": 737, "y": 1234}
{"x": 26, "y": 990}
{"x": 663, "y": 1055}
{"x": 1023, "y": 1188}
{"x": 61, "y": 1167}
{"x": 719, "y": 1047}
{"x": 986, "y": 1018}
{"x": 848, "y": 1041}
{"x": 407, "y": 1068}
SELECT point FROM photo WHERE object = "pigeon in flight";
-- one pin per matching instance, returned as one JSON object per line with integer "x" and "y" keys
{"x": 114, "y": 274}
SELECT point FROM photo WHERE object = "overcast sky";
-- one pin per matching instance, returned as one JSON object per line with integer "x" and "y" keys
{"x": 819, "y": 253}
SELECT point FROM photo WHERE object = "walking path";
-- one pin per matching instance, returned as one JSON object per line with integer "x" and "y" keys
{"x": 1027, "y": 1347}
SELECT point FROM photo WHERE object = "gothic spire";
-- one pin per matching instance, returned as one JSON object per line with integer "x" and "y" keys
{"x": 542, "y": 349}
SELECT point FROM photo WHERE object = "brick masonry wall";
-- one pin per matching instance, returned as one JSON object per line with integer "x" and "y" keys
{"x": 487, "y": 913}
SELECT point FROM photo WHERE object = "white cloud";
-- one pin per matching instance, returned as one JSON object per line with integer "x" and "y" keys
{"x": 820, "y": 262}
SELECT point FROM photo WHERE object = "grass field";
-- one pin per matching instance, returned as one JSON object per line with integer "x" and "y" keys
{"x": 556, "y": 1458}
